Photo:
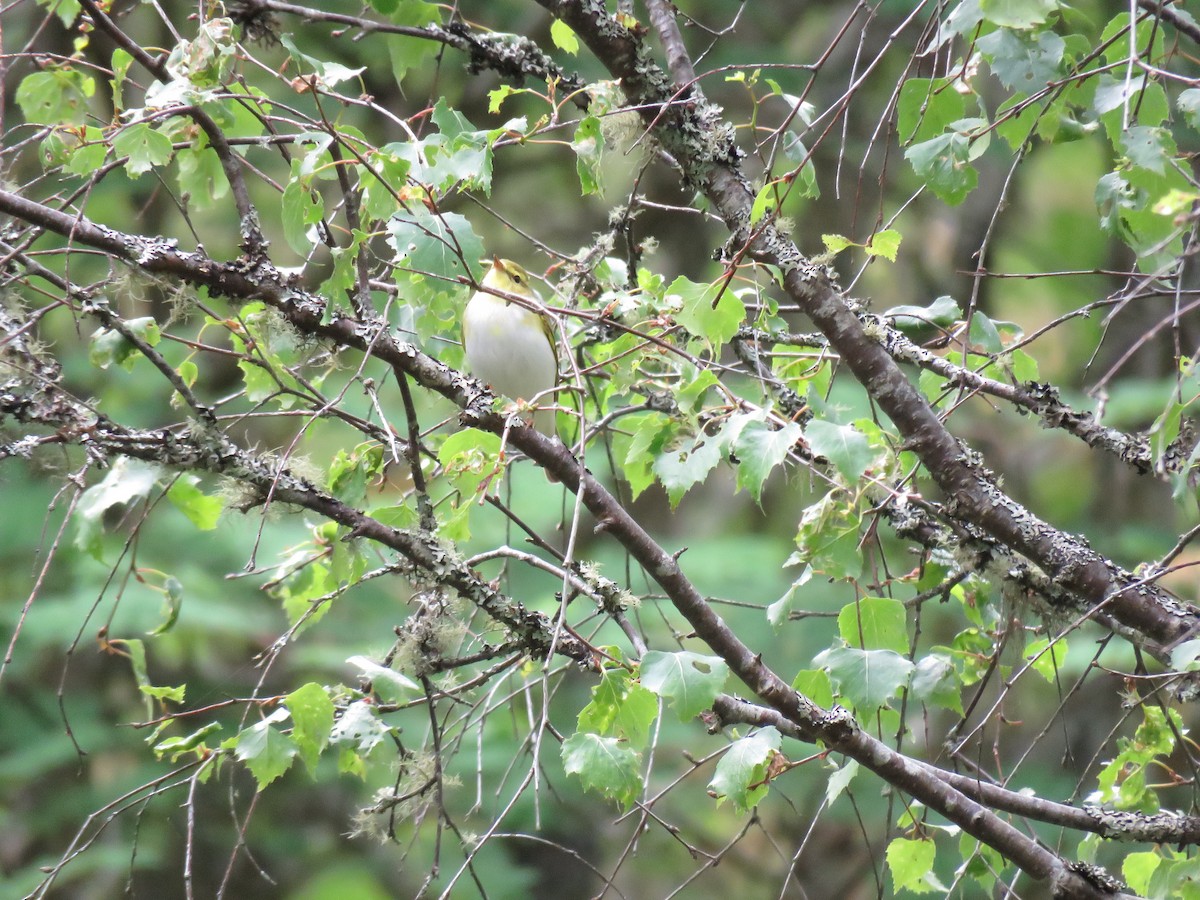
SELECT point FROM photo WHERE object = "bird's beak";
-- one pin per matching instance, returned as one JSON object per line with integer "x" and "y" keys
{"x": 496, "y": 263}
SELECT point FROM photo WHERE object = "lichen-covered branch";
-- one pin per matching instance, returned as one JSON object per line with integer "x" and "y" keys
{"x": 692, "y": 132}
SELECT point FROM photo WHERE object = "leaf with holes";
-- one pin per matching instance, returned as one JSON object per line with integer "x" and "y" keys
{"x": 689, "y": 680}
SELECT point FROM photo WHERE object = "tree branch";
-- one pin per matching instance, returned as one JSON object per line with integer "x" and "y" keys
{"x": 702, "y": 144}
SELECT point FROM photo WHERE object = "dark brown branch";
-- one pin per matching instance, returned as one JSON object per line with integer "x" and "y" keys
{"x": 1161, "y": 828}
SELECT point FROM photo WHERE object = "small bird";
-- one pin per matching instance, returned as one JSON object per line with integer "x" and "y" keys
{"x": 511, "y": 346}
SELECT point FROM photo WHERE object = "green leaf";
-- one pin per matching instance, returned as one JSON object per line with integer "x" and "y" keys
{"x": 359, "y": 727}
{"x": 839, "y": 780}
{"x": 804, "y": 184}
{"x": 983, "y": 864}
{"x": 815, "y": 685}
{"x": 867, "y": 678}
{"x": 765, "y": 202}
{"x": 108, "y": 346}
{"x": 741, "y": 774}
{"x": 407, "y": 53}
{"x": 173, "y": 694}
{"x": 651, "y": 431}
{"x": 89, "y": 154}
{"x": 943, "y": 312}
{"x": 55, "y": 96}
{"x": 312, "y": 721}
{"x": 1047, "y": 658}
{"x": 936, "y": 681}
{"x": 388, "y": 173}
{"x": 564, "y": 38}
{"x": 911, "y": 863}
{"x": 461, "y": 152}
{"x": 172, "y": 591}
{"x": 201, "y": 177}
{"x": 301, "y": 209}
{"x": 469, "y": 451}
{"x": 1189, "y": 104}
{"x": 605, "y": 765}
{"x": 194, "y": 742}
{"x": 943, "y": 162}
{"x": 827, "y": 538}
{"x": 203, "y": 510}
{"x": 66, "y": 10}
{"x": 1024, "y": 367}
{"x": 440, "y": 247}
{"x": 691, "y": 391}
{"x": 267, "y": 752}
{"x": 136, "y": 653}
{"x": 1024, "y": 62}
{"x": 145, "y": 147}
{"x": 1184, "y": 656}
{"x": 836, "y": 243}
{"x": 1148, "y": 148}
{"x": 497, "y": 96}
{"x": 128, "y": 481}
{"x": 1138, "y": 868}
{"x": 884, "y": 243}
{"x": 759, "y": 449}
{"x": 1114, "y": 197}
{"x": 777, "y": 612}
{"x": 1017, "y": 13}
{"x": 351, "y": 473}
{"x": 697, "y": 314}
{"x": 681, "y": 469}
{"x": 984, "y": 335}
{"x": 588, "y": 145}
{"x": 620, "y": 707}
{"x": 324, "y": 73}
{"x": 925, "y": 107}
{"x": 875, "y": 623}
{"x": 843, "y": 445}
{"x": 689, "y": 680}
{"x": 390, "y": 685}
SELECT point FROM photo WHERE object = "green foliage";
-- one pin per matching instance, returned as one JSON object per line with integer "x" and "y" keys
{"x": 690, "y": 681}
{"x": 620, "y": 707}
{"x": 312, "y": 714}
{"x": 742, "y": 773}
{"x": 266, "y": 751}
{"x": 911, "y": 865}
{"x": 57, "y": 95}
{"x": 709, "y": 311}
{"x": 605, "y": 765}
{"x": 874, "y": 623}
{"x": 433, "y": 676}
{"x": 110, "y": 346}
{"x": 867, "y": 679}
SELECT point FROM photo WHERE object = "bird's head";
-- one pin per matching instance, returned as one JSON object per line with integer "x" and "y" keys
{"x": 507, "y": 277}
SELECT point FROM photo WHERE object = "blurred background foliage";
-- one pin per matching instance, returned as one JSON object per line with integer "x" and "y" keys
{"x": 68, "y": 749}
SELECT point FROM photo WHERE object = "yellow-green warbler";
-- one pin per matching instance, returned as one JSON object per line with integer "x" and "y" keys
{"x": 511, "y": 346}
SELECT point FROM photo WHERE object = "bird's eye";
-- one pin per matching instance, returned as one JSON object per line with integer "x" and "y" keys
{"x": 516, "y": 279}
